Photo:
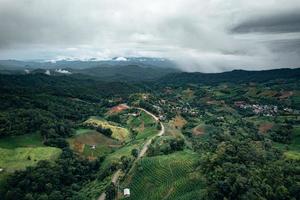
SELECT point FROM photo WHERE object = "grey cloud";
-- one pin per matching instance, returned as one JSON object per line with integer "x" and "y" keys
{"x": 198, "y": 35}
{"x": 274, "y": 23}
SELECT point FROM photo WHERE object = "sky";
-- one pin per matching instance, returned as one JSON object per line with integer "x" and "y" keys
{"x": 199, "y": 35}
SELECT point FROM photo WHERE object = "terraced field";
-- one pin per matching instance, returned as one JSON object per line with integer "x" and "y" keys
{"x": 170, "y": 176}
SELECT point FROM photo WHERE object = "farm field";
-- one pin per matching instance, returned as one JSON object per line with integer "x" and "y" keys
{"x": 84, "y": 139}
{"x": 170, "y": 176}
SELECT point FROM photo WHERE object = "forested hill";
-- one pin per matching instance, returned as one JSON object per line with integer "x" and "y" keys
{"x": 235, "y": 76}
{"x": 68, "y": 86}
{"x": 30, "y": 101}
{"x": 128, "y": 73}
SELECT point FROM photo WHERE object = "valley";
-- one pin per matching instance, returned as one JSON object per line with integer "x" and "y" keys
{"x": 81, "y": 138}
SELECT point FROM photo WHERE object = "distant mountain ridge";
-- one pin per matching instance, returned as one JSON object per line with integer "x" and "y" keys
{"x": 83, "y": 64}
{"x": 235, "y": 76}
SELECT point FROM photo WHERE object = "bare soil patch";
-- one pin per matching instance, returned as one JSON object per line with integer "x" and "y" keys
{"x": 118, "y": 108}
{"x": 78, "y": 146}
{"x": 263, "y": 128}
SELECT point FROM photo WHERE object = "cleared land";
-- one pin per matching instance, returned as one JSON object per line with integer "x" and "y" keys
{"x": 84, "y": 140}
{"x": 264, "y": 127}
{"x": 119, "y": 133}
{"x": 198, "y": 130}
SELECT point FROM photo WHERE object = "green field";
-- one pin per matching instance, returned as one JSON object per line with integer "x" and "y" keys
{"x": 116, "y": 156}
{"x": 20, "y": 158}
{"x": 19, "y": 152}
{"x": 144, "y": 124}
{"x": 170, "y": 176}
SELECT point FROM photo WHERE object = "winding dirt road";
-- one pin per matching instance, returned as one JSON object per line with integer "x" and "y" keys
{"x": 117, "y": 174}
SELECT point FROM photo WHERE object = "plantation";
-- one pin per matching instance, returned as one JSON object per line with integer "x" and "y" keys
{"x": 165, "y": 177}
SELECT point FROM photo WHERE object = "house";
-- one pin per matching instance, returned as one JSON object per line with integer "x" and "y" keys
{"x": 93, "y": 146}
{"x": 126, "y": 192}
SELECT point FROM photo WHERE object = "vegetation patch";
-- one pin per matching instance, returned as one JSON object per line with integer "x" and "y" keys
{"x": 292, "y": 155}
{"x": 188, "y": 94}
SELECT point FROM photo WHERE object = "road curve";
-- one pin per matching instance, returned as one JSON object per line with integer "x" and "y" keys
{"x": 117, "y": 174}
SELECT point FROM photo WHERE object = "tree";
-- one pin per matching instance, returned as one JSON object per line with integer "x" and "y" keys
{"x": 111, "y": 192}
{"x": 135, "y": 153}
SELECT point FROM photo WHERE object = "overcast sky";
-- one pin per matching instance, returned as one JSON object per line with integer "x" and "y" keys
{"x": 200, "y": 35}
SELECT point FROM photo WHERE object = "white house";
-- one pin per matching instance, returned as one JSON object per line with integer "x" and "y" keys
{"x": 126, "y": 192}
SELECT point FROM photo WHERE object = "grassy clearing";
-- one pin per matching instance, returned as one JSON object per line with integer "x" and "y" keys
{"x": 166, "y": 177}
{"x": 20, "y": 158}
{"x": 293, "y": 155}
{"x": 119, "y": 133}
{"x": 144, "y": 118}
{"x": 115, "y": 157}
{"x": 19, "y": 152}
{"x": 144, "y": 124}
{"x": 85, "y": 138}
{"x": 28, "y": 140}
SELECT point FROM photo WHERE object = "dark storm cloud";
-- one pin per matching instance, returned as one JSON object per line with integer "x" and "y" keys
{"x": 275, "y": 23}
{"x": 198, "y": 35}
